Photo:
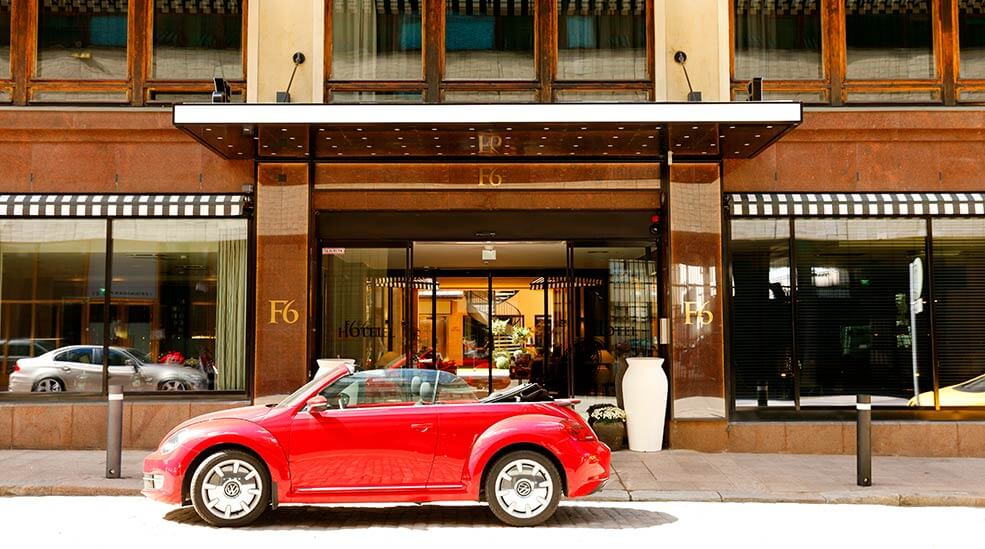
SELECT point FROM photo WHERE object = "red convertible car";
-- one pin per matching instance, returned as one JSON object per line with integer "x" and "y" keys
{"x": 388, "y": 435}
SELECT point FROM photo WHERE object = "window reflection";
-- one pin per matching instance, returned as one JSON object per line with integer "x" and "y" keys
{"x": 971, "y": 36}
{"x": 53, "y": 288}
{"x": 198, "y": 41}
{"x": 4, "y": 40}
{"x": 82, "y": 40}
{"x": 489, "y": 41}
{"x": 778, "y": 40}
{"x": 601, "y": 40}
{"x": 889, "y": 40}
{"x": 179, "y": 304}
{"x": 376, "y": 40}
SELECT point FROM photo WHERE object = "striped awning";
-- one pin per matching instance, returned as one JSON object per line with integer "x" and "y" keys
{"x": 492, "y": 7}
{"x": 116, "y": 7}
{"x": 854, "y": 204}
{"x": 199, "y": 7}
{"x": 852, "y": 7}
{"x": 122, "y": 205}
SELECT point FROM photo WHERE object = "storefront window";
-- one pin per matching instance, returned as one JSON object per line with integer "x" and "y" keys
{"x": 178, "y": 314}
{"x": 198, "y": 42}
{"x": 82, "y": 40}
{"x": 51, "y": 303}
{"x": 889, "y": 40}
{"x": 778, "y": 40}
{"x": 601, "y": 40}
{"x": 489, "y": 44}
{"x": 363, "y": 312}
{"x": 959, "y": 291}
{"x": 854, "y": 333}
{"x": 762, "y": 343}
{"x": 376, "y": 40}
{"x": 971, "y": 39}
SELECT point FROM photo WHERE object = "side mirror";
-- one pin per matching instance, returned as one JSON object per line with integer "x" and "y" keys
{"x": 317, "y": 404}
{"x": 133, "y": 364}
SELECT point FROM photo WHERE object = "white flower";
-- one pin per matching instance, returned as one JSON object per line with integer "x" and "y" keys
{"x": 608, "y": 414}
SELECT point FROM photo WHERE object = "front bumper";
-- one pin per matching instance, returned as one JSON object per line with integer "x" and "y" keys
{"x": 162, "y": 479}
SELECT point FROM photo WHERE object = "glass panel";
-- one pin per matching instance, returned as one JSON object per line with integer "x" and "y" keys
{"x": 376, "y": 40}
{"x": 495, "y": 43}
{"x": 601, "y": 40}
{"x": 889, "y": 40}
{"x": 43, "y": 96}
{"x": 762, "y": 344}
{"x": 190, "y": 97}
{"x": 778, "y": 40}
{"x": 82, "y": 40}
{"x": 853, "y": 311}
{"x": 971, "y": 96}
{"x": 198, "y": 41}
{"x": 615, "y": 302}
{"x": 924, "y": 96}
{"x": 619, "y": 96}
{"x": 363, "y": 295}
{"x": 959, "y": 291}
{"x": 376, "y": 97}
{"x": 178, "y": 315}
{"x": 814, "y": 97}
{"x": 53, "y": 280}
{"x": 971, "y": 38}
{"x": 490, "y": 96}
{"x": 4, "y": 39}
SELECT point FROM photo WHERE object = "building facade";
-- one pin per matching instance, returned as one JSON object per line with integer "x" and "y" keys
{"x": 513, "y": 190}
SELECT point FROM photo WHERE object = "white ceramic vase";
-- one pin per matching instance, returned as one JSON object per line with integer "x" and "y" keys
{"x": 644, "y": 389}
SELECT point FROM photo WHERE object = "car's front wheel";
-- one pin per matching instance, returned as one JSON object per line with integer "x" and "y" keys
{"x": 172, "y": 385}
{"x": 523, "y": 488}
{"x": 230, "y": 488}
{"x": 49, "y": 385}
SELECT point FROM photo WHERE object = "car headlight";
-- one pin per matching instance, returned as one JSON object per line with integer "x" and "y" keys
{"x": 173, "y": 441}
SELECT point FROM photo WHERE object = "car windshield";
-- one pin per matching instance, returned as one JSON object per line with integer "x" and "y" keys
{"x": 976, "y": 385}
{"x": 295, "y": 398}
{"x": 140, "y": 355}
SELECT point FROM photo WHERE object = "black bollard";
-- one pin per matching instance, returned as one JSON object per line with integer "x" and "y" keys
{"x": 114, "y": 432}
{"x": 762, "y": 395}
{"x": 863, "y": 447}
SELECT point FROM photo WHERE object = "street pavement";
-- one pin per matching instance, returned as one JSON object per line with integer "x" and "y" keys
{"x": 671, "y": 475}
{"x": 138, "y": 522}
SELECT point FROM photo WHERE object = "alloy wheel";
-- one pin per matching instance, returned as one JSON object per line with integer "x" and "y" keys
{"x": 173, "y": 385}
{"x": 232, "y": 489}
{"x": 524, "y": 488}
{"x": 49, "y": 385}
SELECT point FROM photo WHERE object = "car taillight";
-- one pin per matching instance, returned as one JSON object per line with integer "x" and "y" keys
{"x": 17, "y": 366}
{"x": 578, "y": 430}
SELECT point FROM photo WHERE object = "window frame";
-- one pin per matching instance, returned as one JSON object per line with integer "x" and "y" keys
{"x": 138, "y": 88}
{"x": 835, "y": 88}
{"x": 433, "y": 85}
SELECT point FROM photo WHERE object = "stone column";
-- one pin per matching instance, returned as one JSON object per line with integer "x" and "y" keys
{"x": 282, "y": 319}
{"x": 696, "y": 278}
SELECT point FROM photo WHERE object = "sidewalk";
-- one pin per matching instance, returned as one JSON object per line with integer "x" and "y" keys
{"x": 673, "y": 475}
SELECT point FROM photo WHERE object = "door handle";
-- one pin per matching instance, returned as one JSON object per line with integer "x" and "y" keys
{"x": 421, "y": 427}
{"x": 66, "y": 369}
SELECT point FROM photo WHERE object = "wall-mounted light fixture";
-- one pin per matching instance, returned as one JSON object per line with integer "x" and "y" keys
{"x": 692, "y": 96}
{"x": 285, "y": 96}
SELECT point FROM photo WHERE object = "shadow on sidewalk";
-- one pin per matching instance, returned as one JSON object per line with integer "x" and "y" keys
{"x": 433, "y": 516}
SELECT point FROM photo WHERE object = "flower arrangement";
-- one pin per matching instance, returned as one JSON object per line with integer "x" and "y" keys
{"x": 500, "y": 327}
{"x": 520, "y": 334}
{"x": 608, "y": 414}
{"x": 501, "y": 359}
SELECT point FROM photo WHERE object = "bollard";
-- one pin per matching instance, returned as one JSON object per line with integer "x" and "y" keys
{"x": 863, "y": 447}
{"x": 114, "y": 432}
{"x": 763, "y": 395}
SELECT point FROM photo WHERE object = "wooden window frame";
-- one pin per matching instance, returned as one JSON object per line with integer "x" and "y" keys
{"x": 835, "y": 88}
{"x": 137, "y": 88}
{"x": 544, "y": 85}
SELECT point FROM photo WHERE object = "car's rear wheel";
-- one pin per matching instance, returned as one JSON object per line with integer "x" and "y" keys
{"x": 230, "y": 488}
{"x": 172, "y": 385}
{"x": 49, "y": 385}
{"x": 523, "y": 488}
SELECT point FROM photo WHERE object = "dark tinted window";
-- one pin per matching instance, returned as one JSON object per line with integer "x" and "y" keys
{"x": 889, "y": 40}
{"x": 778, "y": 40}
{"x": 198, "y": 40}
{"x": 82, "y": 355}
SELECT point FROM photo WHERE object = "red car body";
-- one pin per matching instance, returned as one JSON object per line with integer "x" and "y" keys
{"x": 381, "y": 453}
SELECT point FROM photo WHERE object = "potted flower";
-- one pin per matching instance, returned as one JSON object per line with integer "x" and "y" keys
{"x": 609, "y": 424}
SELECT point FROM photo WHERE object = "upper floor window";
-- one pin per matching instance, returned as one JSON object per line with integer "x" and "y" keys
{"x": 197, "y": 40}
{"x": 82, "y": 40}
{"x": 489, "y": 50}
{"x": 4, "y": 40}
{"x": 861, "y": 51}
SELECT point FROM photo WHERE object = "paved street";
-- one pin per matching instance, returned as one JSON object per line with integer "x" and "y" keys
{"x": 87, "y": 521}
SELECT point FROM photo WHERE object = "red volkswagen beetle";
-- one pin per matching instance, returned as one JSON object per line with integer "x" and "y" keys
{"x": 389, "y": 435}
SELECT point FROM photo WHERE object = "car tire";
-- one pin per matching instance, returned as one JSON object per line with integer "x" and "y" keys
{"x": 172, "y": 385}
{"x": 238, "y": 497}
{"x": 523, "y": 488}
{"x": 49, "y": 385}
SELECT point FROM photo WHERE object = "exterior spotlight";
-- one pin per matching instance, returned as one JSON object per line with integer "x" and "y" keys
{"x": 221, "y": 92}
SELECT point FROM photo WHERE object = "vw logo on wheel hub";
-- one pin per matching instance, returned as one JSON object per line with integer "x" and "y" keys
{"x": 231, "y": 489}
{"x": 523, "y": 488}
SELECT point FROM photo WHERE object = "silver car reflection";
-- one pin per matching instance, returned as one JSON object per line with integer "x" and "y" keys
{"x": 79, "y": 368}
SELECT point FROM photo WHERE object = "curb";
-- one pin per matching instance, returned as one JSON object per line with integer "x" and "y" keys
{"x": 36, "y": 491}
{"x": 892, "y": 499}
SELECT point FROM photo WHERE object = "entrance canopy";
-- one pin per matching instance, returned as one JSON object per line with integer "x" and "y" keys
{"x": 599, "y": 131}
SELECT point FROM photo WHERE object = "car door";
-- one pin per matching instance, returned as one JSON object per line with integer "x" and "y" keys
{"x": 382, "y": 440}
{"x": 123, "y": 373}
{"x": 78, "y": 370}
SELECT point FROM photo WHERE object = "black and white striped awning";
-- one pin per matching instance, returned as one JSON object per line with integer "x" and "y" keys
{"x": 854, "y": 204}
{"x": 491, "y": 7}
{"x": 122, "y": 205}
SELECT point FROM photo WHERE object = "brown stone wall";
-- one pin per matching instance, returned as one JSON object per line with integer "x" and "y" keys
{"x": 283, "y": 219}
{"x": 108, "y": 151}
{"x": 83, "y": 426}
{"x": 852, "y": 150}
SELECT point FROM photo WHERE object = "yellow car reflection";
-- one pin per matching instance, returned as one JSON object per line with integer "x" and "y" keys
{"x": 966, "y": 393}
